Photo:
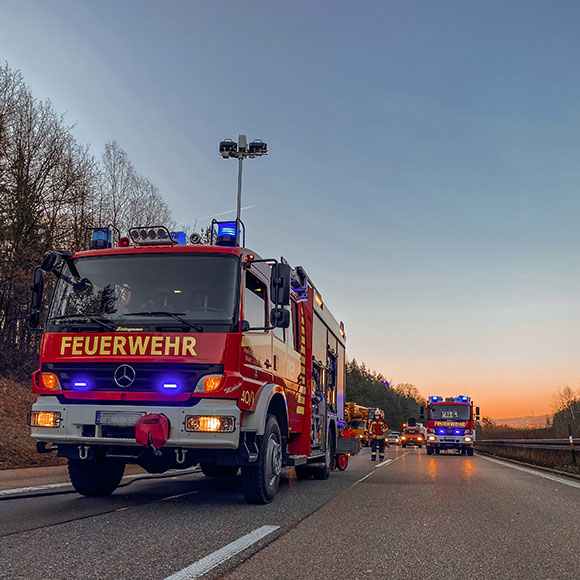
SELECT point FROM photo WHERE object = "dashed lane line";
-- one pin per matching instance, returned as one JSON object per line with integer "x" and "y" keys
{"x": 203, "y": 566}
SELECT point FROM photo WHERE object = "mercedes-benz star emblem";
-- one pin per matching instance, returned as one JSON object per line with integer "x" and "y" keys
{"x": 124, "y": 376}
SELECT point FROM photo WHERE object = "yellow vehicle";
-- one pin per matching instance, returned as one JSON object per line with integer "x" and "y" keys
{"x": 412, "y": 436}
{"x": 357, "y": 419}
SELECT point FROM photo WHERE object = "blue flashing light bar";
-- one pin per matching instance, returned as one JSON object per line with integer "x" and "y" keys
{"x": 102, "y": 238}
{"x": 81, "y": 385}
{"x": 227, "y": 234}
{"x": 462, "y": 399}
{"x": 179, "y": 238}
{"x": 435, "y": 399}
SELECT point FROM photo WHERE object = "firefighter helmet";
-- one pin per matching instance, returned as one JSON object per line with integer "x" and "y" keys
{"x": 377, "y": 413}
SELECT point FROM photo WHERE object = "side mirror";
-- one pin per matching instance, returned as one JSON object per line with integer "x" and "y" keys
{"x": 244, "y": 326}
{"x": 280, "y": 318}
{"x": 50, "y": 261}
{"x": 477, "y": 413}
{"x": 280, "y": 284}
{"x": 422, "y": 412}
{"x": 37, "y": 288}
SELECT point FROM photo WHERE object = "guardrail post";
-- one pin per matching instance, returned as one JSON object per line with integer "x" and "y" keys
{"x": 572, "y": 444}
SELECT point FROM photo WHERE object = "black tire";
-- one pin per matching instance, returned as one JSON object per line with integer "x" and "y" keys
{"x": 470, "y": 451}
{"x": 437, "y": 451}
{"x": 213, "y": 470}
{"x": 95, "y": 477}
{"x": 430, "y": 450}
{"x": 323, "y": 470}
{"x": 260, "y": 481}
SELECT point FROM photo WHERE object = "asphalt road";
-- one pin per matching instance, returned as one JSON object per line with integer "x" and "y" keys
{"x": 417, "y": 517}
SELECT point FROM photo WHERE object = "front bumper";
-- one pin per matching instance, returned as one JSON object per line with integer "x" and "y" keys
{"x": 78, "y": 424}
{"x": 449, "y": 443}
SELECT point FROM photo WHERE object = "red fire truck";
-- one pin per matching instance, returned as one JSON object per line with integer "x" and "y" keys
{"x": 450, "y": 424}
{"x": 169, "y": 354}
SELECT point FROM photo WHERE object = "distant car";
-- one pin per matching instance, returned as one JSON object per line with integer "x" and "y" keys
{"x": 395, "y": 437}
{"x": 412, "y": 436}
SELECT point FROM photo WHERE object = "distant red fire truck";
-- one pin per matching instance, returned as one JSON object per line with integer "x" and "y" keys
{"x": 450, "y": 424}
{"x": 167, "y": 354}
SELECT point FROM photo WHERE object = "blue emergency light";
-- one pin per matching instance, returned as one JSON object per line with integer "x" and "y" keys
{"x": 227, "y": 234}
{"x": 435, "y": 399}
{"x": 179, "y": 238}
{"x": 102, "y": 238}
{"x": 462, "y": 399}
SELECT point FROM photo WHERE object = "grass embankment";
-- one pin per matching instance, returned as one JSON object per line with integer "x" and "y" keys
{"x": 560, "y": 460}
{"x": 17, "y": 448}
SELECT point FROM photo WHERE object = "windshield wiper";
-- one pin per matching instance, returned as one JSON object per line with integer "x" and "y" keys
{"x": 175, "y": 315}
{"x": 90, "y": 317}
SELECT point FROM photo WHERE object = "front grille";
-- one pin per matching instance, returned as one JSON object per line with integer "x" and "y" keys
{"x": 449, "y": 431}
{"x": 149, "y": 377}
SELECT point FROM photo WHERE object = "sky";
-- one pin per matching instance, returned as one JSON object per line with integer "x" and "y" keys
{"x": 423, "y": 160}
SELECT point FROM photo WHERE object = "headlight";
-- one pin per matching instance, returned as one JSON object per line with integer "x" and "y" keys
{"x": 210, "y": 424}
{"x": 49, "y": 419}
{"x": 467, "y": 439}
{"x": 432, "y": 438}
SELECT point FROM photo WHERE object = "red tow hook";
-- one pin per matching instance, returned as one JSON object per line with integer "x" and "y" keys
{"x": 152, "y": 431}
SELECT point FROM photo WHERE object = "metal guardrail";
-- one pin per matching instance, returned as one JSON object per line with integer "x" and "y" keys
{"x": 547, "y": 444}
{"x": 550, "y": 445}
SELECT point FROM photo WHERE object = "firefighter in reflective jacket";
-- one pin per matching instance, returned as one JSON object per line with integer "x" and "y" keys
{"x": 377, "y": 432}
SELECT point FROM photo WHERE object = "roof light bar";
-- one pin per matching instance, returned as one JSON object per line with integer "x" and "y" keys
{"x": 152, "y": 236}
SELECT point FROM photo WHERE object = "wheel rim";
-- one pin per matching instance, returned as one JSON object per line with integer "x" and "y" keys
{"x": 274, "y": 460}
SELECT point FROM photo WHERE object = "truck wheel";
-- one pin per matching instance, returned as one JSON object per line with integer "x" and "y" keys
{"x": 470, "y": 451}
{"x": 213, "y": 470}
{"x": 429, "y": 450}
{"x": 322, "y": 471}
{"x": 341, "y": 462}
{"x": 95, "y": 477}
{"x": 260, "y": 482}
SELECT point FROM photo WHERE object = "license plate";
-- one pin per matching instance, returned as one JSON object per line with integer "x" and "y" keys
{"x": 117, "y": 418}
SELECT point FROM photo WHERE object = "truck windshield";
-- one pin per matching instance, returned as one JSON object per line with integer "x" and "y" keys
{"x": 450, "y": 412}
{"x": 357, "y": 425}
{"x": 190, "y": 290}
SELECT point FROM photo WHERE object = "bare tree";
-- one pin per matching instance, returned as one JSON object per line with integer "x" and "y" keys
{"x": 43, "y": 174}
{"x": 126, "y": 198}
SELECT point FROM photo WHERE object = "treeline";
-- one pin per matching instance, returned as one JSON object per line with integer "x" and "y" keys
{"x": 565, "y": 421}
{"x": 370, "y": 389}
{"x": 51, "y": 190}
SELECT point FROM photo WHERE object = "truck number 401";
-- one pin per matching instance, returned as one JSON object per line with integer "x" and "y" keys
{"x": 248, "y": 397}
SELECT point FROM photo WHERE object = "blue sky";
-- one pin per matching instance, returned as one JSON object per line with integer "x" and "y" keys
{"x": 423, "y": 161}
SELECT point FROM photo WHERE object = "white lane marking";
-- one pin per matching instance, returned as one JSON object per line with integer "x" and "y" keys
{"x": 34, "y": 488}
{"x": 534, "y": 472}
{"x": 382, "y": 464}
{"x": 68, "y": 484}
{"x": 208, "y": 563}
{"x": 178, "y": 495}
